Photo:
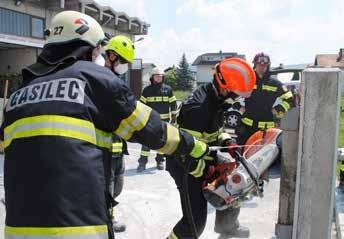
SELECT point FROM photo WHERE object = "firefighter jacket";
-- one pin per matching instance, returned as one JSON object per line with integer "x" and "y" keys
{"x": 259, "y": 106}
{"x": 160, "y": 97}
{"x": 200, "y": 114}
{"x": 57, "y": 134}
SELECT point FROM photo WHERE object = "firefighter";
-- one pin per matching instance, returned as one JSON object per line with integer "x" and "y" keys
{"x": 119, "y": 149}
{"x": 160, "y": 97}
{"x": 259, "y": 109}
{"x": 58, "y": 134}
{"x": 119, "y": 146}
{"x": 200, "y": 114}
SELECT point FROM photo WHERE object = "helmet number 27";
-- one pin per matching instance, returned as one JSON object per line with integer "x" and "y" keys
{"x": 58, "y": 30}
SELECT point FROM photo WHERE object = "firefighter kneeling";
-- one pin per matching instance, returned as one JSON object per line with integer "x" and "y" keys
{"x": 232, "y": 78}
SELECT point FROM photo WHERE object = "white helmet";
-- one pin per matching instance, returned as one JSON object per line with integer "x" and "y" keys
{"x": 68, "y": 26}
{"x": 157, "y": 71}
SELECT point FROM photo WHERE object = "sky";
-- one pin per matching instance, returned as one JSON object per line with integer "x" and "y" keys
{"x": 290, "y": 31}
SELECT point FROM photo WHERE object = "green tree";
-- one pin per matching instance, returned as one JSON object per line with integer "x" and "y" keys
{"x": 171, "y": 79}
{"x": 184, "y": 76}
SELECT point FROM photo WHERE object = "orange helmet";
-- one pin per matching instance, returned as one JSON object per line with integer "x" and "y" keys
{"x": 236, "y": 75}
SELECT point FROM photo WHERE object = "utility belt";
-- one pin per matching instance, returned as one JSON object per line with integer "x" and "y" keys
{"x": 258, "y": 124}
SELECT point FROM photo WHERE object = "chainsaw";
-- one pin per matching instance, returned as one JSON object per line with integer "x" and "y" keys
{"x": 238, "y": 173}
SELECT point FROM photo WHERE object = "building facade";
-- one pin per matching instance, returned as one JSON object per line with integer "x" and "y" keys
{"x": 22, "y": 24}
{"x": 204, "y": 64}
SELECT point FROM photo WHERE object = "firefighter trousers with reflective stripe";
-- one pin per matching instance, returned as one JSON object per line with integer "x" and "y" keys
{"x": 183, "y": 229}
{"x": 83, "y": 232}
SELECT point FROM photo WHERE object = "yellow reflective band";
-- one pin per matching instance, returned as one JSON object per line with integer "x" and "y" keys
{"x": 145, "y": 153}
{"x": 210, "y": 137}
{"x": 157, "y": 99}
{"x": 269, "y": 88}
{"x": 247, "y": 121}
{"x": 164, "y": 116}
{"x": 134, "y": 122}
{"x": 165, "y": 98}
{"x": 56, "y": 231}
{"x": 174, "y": 112}
{"x": 285, "y": 105}
{"x": 198, "y": 172}
{"x": 117, "y": 147}
{"x": 208, "y": 158}
{"x": 172, "y": 99}
{"x": 172, "y": 140}
{"x": 199, "y": 149}
{"x": 56, "y": 125}
{"x": 143, "y": 99}
{"x": 268, "y": 124}
{"x": 286, "y": 96}
{"x": 196, "y": 134}
{"x": 172, "y": 236}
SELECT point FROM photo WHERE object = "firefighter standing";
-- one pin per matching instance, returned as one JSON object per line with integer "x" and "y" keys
{"x": 58, "y": 134}
{"x": 158, "y": 96}
{"x": 116, "y": 181}
{"x": 200, "y": 114}
{"x": 119, "y": 146}
{"x": 259, "y": 107}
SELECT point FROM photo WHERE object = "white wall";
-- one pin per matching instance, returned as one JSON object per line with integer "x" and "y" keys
{"x": 17, "y": 59}
{"x": 204, "y": 73}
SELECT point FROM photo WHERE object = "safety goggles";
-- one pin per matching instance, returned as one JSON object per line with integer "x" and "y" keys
{"x": 113, "y": 56}
{"x": 263, "y": 60}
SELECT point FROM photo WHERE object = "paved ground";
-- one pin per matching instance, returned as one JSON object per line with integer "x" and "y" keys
{"x": 149, "y": 205}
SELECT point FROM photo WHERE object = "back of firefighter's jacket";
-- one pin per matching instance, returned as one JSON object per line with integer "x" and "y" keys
{"x": 57, "y": 137}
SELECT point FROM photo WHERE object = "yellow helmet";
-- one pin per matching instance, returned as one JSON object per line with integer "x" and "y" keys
{"x": 123, "y": 46}
{"x": 68, "y": 26}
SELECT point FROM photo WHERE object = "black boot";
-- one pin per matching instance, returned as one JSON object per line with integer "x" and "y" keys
{"x": 160, "y": 165}
{"x": 118, "y": 226}
{"x": 141, "y": 167}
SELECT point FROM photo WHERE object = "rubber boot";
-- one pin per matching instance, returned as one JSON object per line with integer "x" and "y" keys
{"x": 226, "y": 222}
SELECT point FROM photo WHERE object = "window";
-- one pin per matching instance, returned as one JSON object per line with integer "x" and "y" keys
{"x": 20, "y": 24}
{"x": 37, "y": 27}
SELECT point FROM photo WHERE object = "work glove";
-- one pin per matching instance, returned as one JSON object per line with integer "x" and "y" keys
{"x": 278, "y": 113}
{"x": 199, "y": 156}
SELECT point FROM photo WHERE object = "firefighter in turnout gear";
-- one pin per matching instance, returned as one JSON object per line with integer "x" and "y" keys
{"x": 58, "y": 130}
{"x": 119, "y": 146}
{"x": 158, "y": 96}
{"x": 259, "y": 107}
{"x": 116, "y": 181}
{"x": 232, "y": 77}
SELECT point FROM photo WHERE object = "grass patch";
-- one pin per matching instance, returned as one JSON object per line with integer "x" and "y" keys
{"x": 180, "y": 95}
{"x": 341, "y": 124}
